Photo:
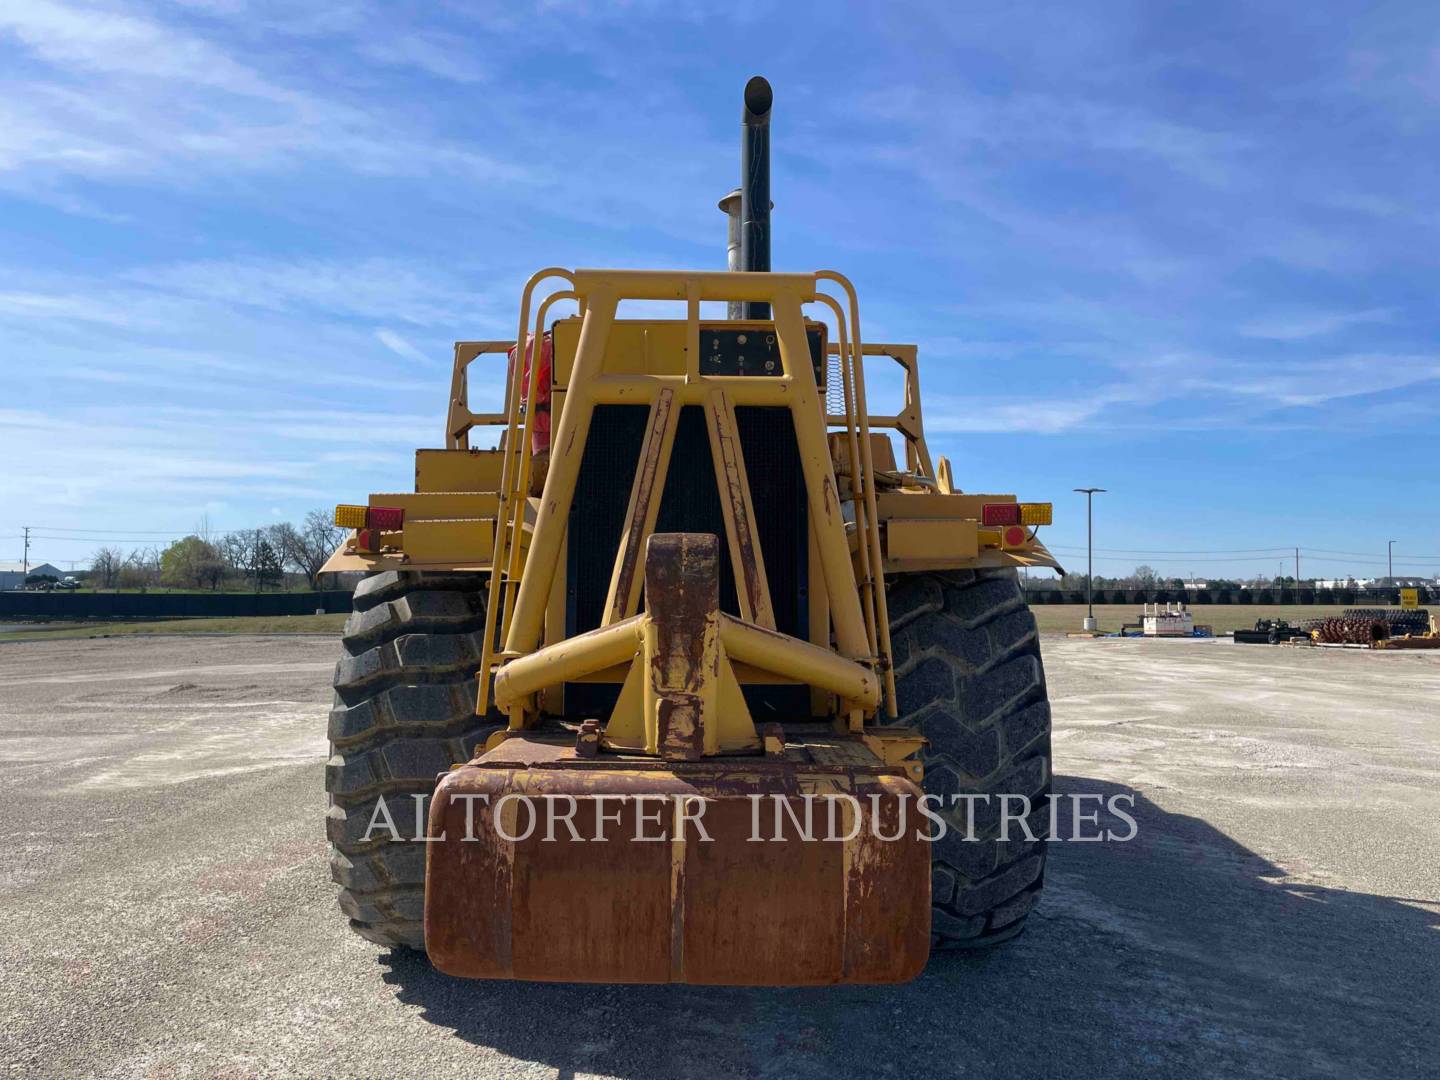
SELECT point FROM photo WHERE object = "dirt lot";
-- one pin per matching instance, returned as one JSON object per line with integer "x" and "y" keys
{"x": 167, "y": 909}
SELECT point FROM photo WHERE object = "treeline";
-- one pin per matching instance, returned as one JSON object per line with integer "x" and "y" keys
{"x": 254, "y": 558}
{"x": 1143, "y": 577}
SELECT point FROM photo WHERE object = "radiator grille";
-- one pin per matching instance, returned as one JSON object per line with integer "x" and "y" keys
{"x": 690, "y": 503}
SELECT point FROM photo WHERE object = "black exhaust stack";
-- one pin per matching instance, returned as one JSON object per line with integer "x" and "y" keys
{"x": 755, "y": 186}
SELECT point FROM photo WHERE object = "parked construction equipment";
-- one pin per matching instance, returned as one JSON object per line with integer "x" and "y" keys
{"x": 1380, "y": 628}
{"x": 710, "y": 586}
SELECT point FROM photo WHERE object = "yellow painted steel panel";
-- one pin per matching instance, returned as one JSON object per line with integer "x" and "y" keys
{"x": 929, "y": 543}
{"x": 457, "y": 470}
{"x": 918, "y": 504}
{"x": 441, "y": 504}
{"x": 454, "y": 540}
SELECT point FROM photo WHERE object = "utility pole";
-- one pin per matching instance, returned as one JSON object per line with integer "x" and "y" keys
{"x": 1089, "y": 494}
{"x": 1297, "y": 568}
{"x": 27, "y": 554}
{"x": 1390, "y": 558}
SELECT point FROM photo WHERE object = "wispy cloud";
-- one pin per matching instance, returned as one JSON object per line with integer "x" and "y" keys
{"x": 445, "y": 56}
{"x": 176, "y": 102}
{"x": 373, "y": 288}
{"x": 1013, "y": 122}
{"x": 1038, "y": 416}
{"x": 402, "y": 348}
{"x": 1316, "y": 381}
{"x": 1307, "y": 324}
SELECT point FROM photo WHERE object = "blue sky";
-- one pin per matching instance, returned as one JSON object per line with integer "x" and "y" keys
{"x": 1185, "y": 252}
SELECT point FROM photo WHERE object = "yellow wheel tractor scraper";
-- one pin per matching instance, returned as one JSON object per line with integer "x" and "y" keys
{"x": 701, "y": 685}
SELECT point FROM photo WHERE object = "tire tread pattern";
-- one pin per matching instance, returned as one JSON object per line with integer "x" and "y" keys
{"x": 404, "y": 712}
{"x": 969, "y": 676}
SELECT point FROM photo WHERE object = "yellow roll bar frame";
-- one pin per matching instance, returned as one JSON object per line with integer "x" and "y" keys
{"x": 861, "y": 675}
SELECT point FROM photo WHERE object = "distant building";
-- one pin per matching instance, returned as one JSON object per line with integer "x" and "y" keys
{"x": 1397, "y": 582}
{"x": 12, "y": 574}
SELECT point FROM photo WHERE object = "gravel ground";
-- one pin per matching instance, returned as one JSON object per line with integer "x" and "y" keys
{"x": 167, "y": 908}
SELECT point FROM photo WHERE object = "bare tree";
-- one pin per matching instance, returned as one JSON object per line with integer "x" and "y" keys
{"x": 105, "y": 566}
{"x": 132, "y": 577}
{"x": 238, "y": 551}
{"x": 307, "y": 547}
{"x": 256, "y": 554}
{"x": 140, "y": 569}
{"x": 147, "y": 561}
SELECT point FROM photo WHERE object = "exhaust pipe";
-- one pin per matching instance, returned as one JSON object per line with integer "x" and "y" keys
{"x": 755, "y": 186}
{"x": 735, "y": 309}
{"x": 748, "y": 206}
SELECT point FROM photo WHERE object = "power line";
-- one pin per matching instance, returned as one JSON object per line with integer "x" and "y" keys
{"x": 118, "y": 540}
{"x": 1240, "y": 553}
{"x": 1331, "y": 551}
{"x": 111, "y": 532}
{"x": 1216, "y": 551}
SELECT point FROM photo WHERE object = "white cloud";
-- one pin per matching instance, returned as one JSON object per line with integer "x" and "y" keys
{"x": 443, "y": 56}
{"x": 130, "y": 96}
{"x": 373, "y": 288}
{"x": 1316, "y": 381}
{"x": 1012, "y": 121}
{"x": 1307, "y": 324}
{"x": 402, "y": 348}
{"x": 90, "y": 39}
{"x": 1033, "y": 417}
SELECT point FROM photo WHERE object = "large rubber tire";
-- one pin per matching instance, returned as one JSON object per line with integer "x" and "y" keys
{"x": 404, "y": 712}
{"x": 968, "y": 675}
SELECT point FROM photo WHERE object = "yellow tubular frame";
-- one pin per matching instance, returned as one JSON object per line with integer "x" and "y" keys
{"x": 859, "y": 482}
{"x": 512, "y": 497}
{"x": 518, "y": 601}
{"x": 872, "y": 534}
{"x": 909, "y": 422}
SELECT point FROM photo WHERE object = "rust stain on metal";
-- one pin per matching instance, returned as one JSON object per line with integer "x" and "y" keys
{"x": 682, "y": 737}
{"x": 682, "y": 589}
{"x": 731, "y": 477}
{"x": 587, "y": 742}
{"x": 639, "y": 516}
{"x": 830, "y": 499}
{"x": 697, "y": 902}
{"x": 744, "y": 532}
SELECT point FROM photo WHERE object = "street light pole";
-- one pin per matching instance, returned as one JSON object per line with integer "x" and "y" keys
{"x": 1089, "y": 494}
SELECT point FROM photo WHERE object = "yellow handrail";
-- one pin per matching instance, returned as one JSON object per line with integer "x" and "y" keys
{"x": 507, "y": 500}
{"x": 882, "y": 610}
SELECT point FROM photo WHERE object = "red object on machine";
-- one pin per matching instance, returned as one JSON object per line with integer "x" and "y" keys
{"x": 386, "y": 518}
{"x": 540, "y": 425}
{"x": 1000, "y": 514}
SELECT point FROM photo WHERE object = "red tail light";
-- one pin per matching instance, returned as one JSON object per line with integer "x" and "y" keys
{"x": 386, "y": 518}
{"x": 1000, "y": 513}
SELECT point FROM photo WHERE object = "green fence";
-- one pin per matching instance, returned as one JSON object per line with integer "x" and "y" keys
{"x": 1346, "y": 597}
{"x": 60, "y": 605}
